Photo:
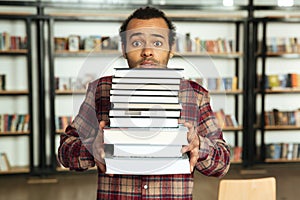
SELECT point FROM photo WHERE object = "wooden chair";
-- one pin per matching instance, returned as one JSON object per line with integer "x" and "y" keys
{"x": 247, "y": 189}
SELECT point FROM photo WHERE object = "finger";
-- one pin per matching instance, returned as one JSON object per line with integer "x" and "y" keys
{"x": 102, "y": 153}
{"x": 102, "y": 167}
{"x": 188, "y": 125}
{"x": 102, "y": 124}
{"x": 186, "y": 148}
{"x": 193, "y": 160}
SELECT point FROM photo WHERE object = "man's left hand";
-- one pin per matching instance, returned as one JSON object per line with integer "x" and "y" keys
{"x": 193, "y": 146}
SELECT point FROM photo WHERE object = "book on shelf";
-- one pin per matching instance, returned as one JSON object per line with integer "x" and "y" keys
{"x": 235, "y": 153}
{"x": 14, "y": 122}
{"x": 220, "y": 83}
{"x": 109, "y": 43}
{"x": 72, "y": 83}
{"x": 4, "y": 162}
{"x": 92, "y": 42}
{"x": 147, "y": 136}
{"x": 74, "y": 43}
{"x": 276, "y": 117}
{"x": 287, "y": 151}
{"x": 225, "y": 120}
{"x": 280, "y": 81}
{"x": 61, "y": 122}
{"x": 283, "y": 44}
{"x": 147, "y": 166}
{"x": 60, "y": 43}
{"x": 12, "y": 42}
{"x": 149, "y": 73}
{"x": 87, "y": 43}
{"x": 201, "y": 45}
{"x": 142, "y": 150}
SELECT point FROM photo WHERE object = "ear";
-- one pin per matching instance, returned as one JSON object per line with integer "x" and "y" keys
{"x": 172, "y": 50}
{"x": 124, "y": 51}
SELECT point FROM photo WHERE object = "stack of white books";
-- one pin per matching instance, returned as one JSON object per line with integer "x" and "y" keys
{"x": 144, "y": 136}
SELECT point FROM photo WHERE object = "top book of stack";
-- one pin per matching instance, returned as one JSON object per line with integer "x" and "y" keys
{"x": 168, "y": 73}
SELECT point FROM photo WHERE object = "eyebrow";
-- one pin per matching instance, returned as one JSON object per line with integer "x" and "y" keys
{"x": 139, "y": 33}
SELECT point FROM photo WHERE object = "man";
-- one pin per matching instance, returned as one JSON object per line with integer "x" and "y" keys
{"x": 147, "y": 40}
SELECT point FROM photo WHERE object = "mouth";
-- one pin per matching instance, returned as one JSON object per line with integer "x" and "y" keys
{"x": 148, "y": 64}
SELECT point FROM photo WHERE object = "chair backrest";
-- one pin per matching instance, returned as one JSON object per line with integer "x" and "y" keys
{"x": 247, "y": 189}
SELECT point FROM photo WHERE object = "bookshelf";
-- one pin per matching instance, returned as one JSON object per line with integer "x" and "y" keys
{"x": 16, "y": 94}
{"x": 276, "y": 105}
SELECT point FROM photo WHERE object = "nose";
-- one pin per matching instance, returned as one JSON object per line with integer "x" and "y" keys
{"x": 147, "y": 52}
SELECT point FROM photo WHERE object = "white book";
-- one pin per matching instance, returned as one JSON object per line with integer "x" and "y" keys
{"x": 147, "y": 136}
{"x": 142, "y": 80}
{"x": 145, "y": 113}
{"x": 142, "y": 150}
{"x": 144, "y": 92}
{"x": 134, "y": 87}
{"x": 149, "y": 72}
{"x": 147, "y": 166}
{"x": 143, "y": 122}
{"x": 152, "y": 106}
{"x": 143, "y": 99}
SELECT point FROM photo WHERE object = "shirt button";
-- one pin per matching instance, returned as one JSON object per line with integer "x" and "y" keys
{"x": 145, "y": 187}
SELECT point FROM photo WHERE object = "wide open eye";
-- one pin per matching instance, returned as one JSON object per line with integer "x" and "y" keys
{"x": 136, "y": 43}
{"x": 157, "y": 43}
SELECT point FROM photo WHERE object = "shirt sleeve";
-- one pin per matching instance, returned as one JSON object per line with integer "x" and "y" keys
{"x": 75, "y": 147}
{"x": 214, "y": 154}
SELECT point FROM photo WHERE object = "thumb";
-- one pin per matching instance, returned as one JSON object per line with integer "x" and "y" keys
{"x": 102, "y": 125}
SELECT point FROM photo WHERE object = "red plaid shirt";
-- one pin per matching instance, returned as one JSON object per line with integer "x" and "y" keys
{"x": 76, "y": 146}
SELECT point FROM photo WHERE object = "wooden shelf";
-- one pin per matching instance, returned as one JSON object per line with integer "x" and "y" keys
{"x": 282, "y": 160}
{"x": 59, "y": 131}
{"x": 80, "y": 53}
{"x": 282, "y": 127}
{"x": 239, "y": 128}
{"x": 209, "y": 54}
{"x": 229, "y": 92}
{"x": 236, "y": 161}
{"x": 14, "y": 92}
{"x": 283, "y": 54}
{"x": 14, "y": 133}
{"x": 69, "y": 92}
{"x": 14, "y": 52}
{"x": 282, "y": 90}
{"x": 16, "y": 170}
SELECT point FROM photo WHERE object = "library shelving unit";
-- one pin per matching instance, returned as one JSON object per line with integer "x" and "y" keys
{"x": 235, "y": 58}
{"x": 59, "y": 76}
{"x": 16, "y": 134}
{"x": 277, "y": 90}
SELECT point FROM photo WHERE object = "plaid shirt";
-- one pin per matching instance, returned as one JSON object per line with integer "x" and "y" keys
{"x": 76, "y": 145}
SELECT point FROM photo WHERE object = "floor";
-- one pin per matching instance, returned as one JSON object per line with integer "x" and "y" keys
{"x": 82, "y": 186}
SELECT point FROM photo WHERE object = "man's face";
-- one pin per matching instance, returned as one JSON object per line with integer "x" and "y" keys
{"x": 147, "y": 43}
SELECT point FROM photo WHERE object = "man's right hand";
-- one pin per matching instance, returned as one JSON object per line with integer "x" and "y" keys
{"x": 98, "y": 148}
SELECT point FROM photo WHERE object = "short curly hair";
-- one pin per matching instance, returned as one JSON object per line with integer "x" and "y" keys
{"x": 148, "y": 13}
